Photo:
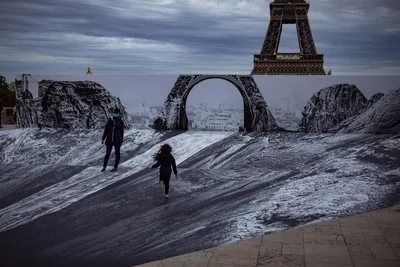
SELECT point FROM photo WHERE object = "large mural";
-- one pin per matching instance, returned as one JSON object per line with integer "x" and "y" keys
{"x": 331, "y": 148}
{"x": 210, "y": 102}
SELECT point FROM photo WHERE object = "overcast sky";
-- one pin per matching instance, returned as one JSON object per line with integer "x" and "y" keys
{"x": 187, "y": 36}
{"x": 153, "y": 89}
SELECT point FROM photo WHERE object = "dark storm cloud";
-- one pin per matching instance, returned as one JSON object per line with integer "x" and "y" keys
{"x": 43, "y": 36}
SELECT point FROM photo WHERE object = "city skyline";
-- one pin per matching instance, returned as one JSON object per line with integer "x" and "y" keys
{"x": 196, "y": 36}
{"x": 225, "y": 117}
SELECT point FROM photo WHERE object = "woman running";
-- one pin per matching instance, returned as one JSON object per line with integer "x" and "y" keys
{"x": 165, "y": 160}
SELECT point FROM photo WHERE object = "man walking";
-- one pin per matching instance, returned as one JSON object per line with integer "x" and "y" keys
{"x": 113, "y": 136}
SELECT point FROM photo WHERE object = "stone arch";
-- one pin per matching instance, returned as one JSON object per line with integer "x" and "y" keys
{"x": 257, "y": 116}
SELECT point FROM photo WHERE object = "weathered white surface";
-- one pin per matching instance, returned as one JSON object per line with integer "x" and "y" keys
{"x": 381, "y": 118}
{"x": 228, "y": 188}
{"x": 91, "y": 180}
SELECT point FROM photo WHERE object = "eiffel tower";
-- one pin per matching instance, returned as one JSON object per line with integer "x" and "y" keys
{"x": 270, "y": 62}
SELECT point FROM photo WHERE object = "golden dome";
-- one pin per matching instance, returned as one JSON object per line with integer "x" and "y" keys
{"x": 88, "y": 71}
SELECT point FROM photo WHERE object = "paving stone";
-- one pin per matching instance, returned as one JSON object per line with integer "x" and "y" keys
{"x": 353, "y": 234}
{"x": 388, "y": 226}
{"x": 360, "y": 220}
{"x": 294, "y": 235}
{"x": 150, "y": 264}
{"x": 368, "y": 240}
{"x": 387, "y": 217}
{"x": 255, "y": 240}
{"x": 323, "y": 229}
{"x": 327, "y": 240}
{"x": 200, "y": 256}
{"x": 243, "y": 254}
{"x": 318, "y": 264}
{"x": 326, "y": 259}
{"x": 394, "y": 245}
{"x": 373, "y": 235}
{"x": 363, "y": 236}
{"x": 242, "y": 246}
{"x": 327, "y": 234}
{"x": 225, "y": 265}
{"x": 383, "y": 252}
{"x": 334, "y": 222}
{"x": 396, "y": 249}
{"x": 195, "y": 264}
{"x": 375, "y": 263}
{"x": 232, "y": 260}
{"x": 293, "y": 248}
{"x": 391, "y": 234}
{"x": 359, "y": 251}
{"x": 171, "y": 264}
{"x": 324, "y": 249}
{"x": 281, "y": 261}
{"x": 273, "y": 247}
{"x": 397, "y": 252}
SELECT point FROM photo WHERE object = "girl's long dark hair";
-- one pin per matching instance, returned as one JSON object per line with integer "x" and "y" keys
{"x": 164, "y": 151}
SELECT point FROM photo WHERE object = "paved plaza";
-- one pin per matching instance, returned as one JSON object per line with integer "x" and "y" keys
{"x": 6, "y": 127}
{"x": 366, "y": 240}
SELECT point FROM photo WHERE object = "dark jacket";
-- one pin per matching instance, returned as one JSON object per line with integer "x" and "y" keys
{"x": 114, "y": 132}
{"x": 165, "y": 163}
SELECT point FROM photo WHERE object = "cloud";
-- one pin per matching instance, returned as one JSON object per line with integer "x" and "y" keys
{"x": 187, "y": 36}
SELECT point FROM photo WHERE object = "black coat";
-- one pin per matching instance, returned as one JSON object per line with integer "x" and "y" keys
{"x": 165, "y": 163}
{"x": 114, "y": 132}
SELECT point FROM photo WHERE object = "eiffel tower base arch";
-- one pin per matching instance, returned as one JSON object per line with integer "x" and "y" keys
{"x": 257, "y": 116}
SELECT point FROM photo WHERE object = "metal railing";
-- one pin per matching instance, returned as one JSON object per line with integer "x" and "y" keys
{"x": 289, "y": 56}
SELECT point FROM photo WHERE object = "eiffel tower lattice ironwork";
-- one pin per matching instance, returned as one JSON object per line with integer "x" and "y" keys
{"x": 270, "y": 62}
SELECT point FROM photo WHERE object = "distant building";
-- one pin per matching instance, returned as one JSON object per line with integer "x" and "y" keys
{"x": 154, "y": 111}
{"x": 216, "y": 125}
{"x": 286, "y": 119}
{"x": 192, "y": 124}
{"x": 139, "y": 121}
{"x": 89, "y": 71}
{"x": 201, "y": 117}
{"x": 191, "y": 114}
{"x": 222, "y": 122}
{"x": 27, "y": 83}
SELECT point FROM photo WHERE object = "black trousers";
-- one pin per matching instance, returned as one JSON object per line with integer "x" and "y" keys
{"x": 165, "y": 177}
{"x": 117, "y": 148}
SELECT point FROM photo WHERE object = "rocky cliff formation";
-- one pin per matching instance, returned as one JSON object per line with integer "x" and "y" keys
{"x": 68, "y": 104}
{"x": 26, "y": 110}
{"x": 344, "y": 124}
{"x": 331, "y": 106}
{"x": 373, "y": 100}
{"x": 383, "y": 117}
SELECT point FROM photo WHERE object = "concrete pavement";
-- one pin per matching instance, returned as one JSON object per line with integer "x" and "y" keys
{"x": 366, "y": 240}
